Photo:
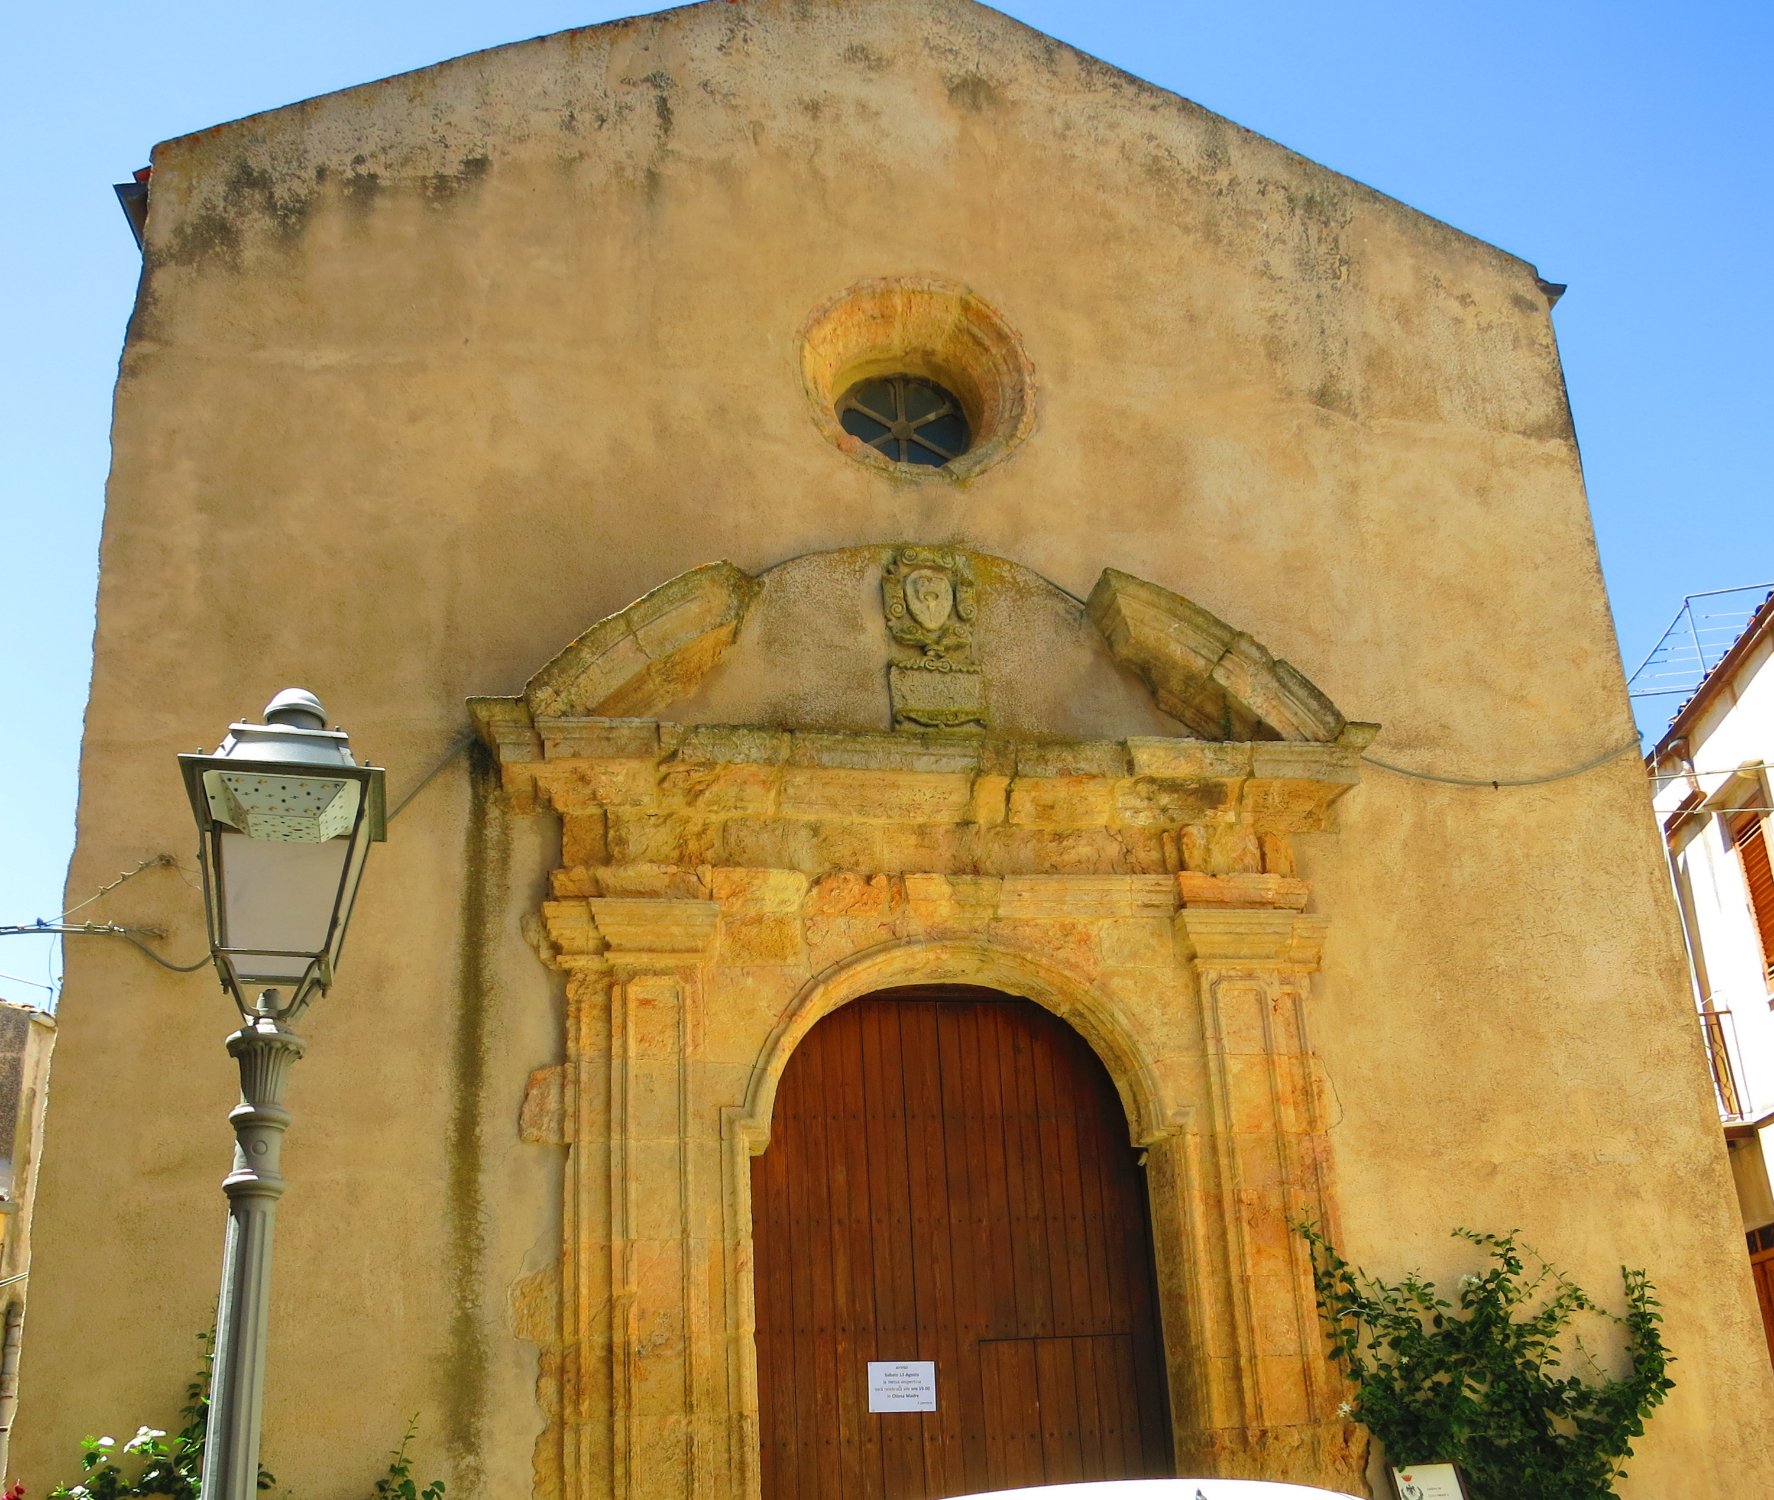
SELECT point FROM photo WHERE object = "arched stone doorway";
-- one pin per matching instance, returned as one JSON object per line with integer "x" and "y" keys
{"x": 726, "y": 883}
{"x": 950, "y": 1184}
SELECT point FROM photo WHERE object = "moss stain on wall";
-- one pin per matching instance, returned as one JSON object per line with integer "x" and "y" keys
{"x": 486, "y": 860}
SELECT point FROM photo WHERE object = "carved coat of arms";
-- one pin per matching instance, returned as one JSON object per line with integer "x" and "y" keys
{"x": 928, "y": 596}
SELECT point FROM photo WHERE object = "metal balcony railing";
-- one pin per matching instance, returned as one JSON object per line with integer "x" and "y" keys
{"x": 1696, "y": 640}
{"x": 1724, "y": 1061}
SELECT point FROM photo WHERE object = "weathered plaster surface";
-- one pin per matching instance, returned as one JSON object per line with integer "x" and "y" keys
{"x": 427, "y": 377}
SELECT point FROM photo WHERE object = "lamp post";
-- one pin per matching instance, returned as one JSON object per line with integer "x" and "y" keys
{"x": 285, "y": 818}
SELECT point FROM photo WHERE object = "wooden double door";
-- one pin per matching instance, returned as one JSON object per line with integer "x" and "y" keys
{"x": 949, "y": 1190}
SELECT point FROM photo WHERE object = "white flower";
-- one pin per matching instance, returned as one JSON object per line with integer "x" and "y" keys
{"x": 107, "y": 1442}
{"x": 1345, "y": 1410}
{"x": 144, "y": 1436}
{"x": 1468, "y": 1281}
{"x": 78, "y": 1491}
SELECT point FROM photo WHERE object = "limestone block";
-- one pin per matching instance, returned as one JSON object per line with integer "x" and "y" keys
{"x": 743, "y": 1003}
{"x": 761, "y": 940}
{"x": 1283, "y": 1392}
{"x": 1171, "y": 802}
{"x": 1275, "y": 1317}
{"x": 1061, "y": 802}
{"x": 838, "y": 843}
{"x": 731, "y": 744}
{"x": 585, "y": 838}
{"x": 585, "y": 785}
{"x": 533, "y": 1306}
{"x": 1243, "y": 891}
{"x": 952, "y": 698}
{"x": 657, "y": 838}
{"x": 716, "y": 788}
{"x": 758, "y": 892}
{"x": 541, "y": 1120}
{"x": 651, "y": 1103}
{"x": 896, "y": 796}
{"x": 1138, "y": 942}
{"x": 655, "y": 926}
{"x": 925, "y": 846}
{"x": 850, "y": 893}
{"x": 1237, "y": 1014}
{"x": 989, "y": 802}
{"x": 1216, "y": 679}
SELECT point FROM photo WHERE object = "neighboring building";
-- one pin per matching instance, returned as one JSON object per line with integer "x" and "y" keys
{"x": 27, "y": 1036}
{"x": 890, "y": 407}
{"x": 1711, "y": 786}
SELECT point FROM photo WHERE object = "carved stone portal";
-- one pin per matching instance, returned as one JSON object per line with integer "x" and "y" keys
{"x": 723, "y": 887}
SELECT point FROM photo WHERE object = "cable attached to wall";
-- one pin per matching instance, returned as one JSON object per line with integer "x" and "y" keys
{"x": 62, "y": 927}
{"x": 1497, "y": 783}
{"x": 134, "y": 935}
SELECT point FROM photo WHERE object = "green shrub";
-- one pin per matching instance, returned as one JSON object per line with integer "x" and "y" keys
{"x": 1483, "y": 1381}
{"x": 151, "y": 1463}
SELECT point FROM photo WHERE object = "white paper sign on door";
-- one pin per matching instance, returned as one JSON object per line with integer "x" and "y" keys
{"x": 902, "y": 1385}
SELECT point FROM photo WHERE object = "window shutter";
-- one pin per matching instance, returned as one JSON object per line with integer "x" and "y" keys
{"x": 1752, "y": 849}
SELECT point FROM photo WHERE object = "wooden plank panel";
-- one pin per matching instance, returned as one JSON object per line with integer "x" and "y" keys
{"x": 932, "y": 1230}
{"x": 949, "y": 1179}
{"x": 1023, "y": 1172}
{"x": 1056, "y": 1392}
{"x": 970, "y": 1241}
{"x": 1013, "y": 1413}
{"x": 816, "y": 1337}
{"x": 993, "y": 1164}
{"x": 861, "y": 1433}
{"x": 1124, "y": 1436}
{"x": 1068, "y": 1254}
{"x": 1092, "y": 1460}
{"x": 902, "y": 1456}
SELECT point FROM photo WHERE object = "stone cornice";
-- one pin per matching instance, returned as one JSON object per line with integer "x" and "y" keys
{"x": 581, "y": 763}
{"x": 624, "y": 929}
{"x": 1251, "y": 939}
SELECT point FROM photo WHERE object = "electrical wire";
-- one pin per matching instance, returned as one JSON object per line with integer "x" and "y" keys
{"x": 461, "y": 744}
{"x": 36, "y": 984}
{"x": 132, "y": 935}
{"x": 100, "y": 929}
{"x": 151, "y": 862}
{"x": 1496, "y": 783}
{"x": 61, "y": 927}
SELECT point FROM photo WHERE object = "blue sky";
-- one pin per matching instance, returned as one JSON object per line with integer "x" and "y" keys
{"x": 1624, "y": 148}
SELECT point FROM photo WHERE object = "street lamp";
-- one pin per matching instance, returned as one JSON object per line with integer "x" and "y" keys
{"x": 285, "y": 818}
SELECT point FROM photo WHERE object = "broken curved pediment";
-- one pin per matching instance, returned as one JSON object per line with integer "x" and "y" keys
{"x": 1213, "y": 677}
{"x": 633, "y": 663}
{"x": 935, "y": 639}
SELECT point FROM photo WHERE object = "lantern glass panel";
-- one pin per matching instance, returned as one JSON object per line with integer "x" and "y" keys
{"x": 276, "y": 898}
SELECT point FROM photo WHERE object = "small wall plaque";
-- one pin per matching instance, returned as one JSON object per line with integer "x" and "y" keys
{"x": 902, "y": 1385}
{"x": 1428, "y": 1482}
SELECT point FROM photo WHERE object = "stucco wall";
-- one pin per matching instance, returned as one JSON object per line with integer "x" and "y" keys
{"x": 427, "y": 376}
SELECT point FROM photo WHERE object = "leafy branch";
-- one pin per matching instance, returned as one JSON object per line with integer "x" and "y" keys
{"x": 1483, "y": 1380}
{"x": 153, "y": 1464}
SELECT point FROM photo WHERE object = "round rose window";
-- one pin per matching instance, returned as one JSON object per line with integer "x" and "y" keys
{"x": 909, "y": 419}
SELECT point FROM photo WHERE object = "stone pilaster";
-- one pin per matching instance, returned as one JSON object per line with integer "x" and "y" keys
{"x": 626, "y": 1385}
{"x": 1259, "y": 1164}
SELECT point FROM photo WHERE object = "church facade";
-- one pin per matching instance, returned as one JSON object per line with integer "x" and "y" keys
{"x": 1055, "y": 592}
